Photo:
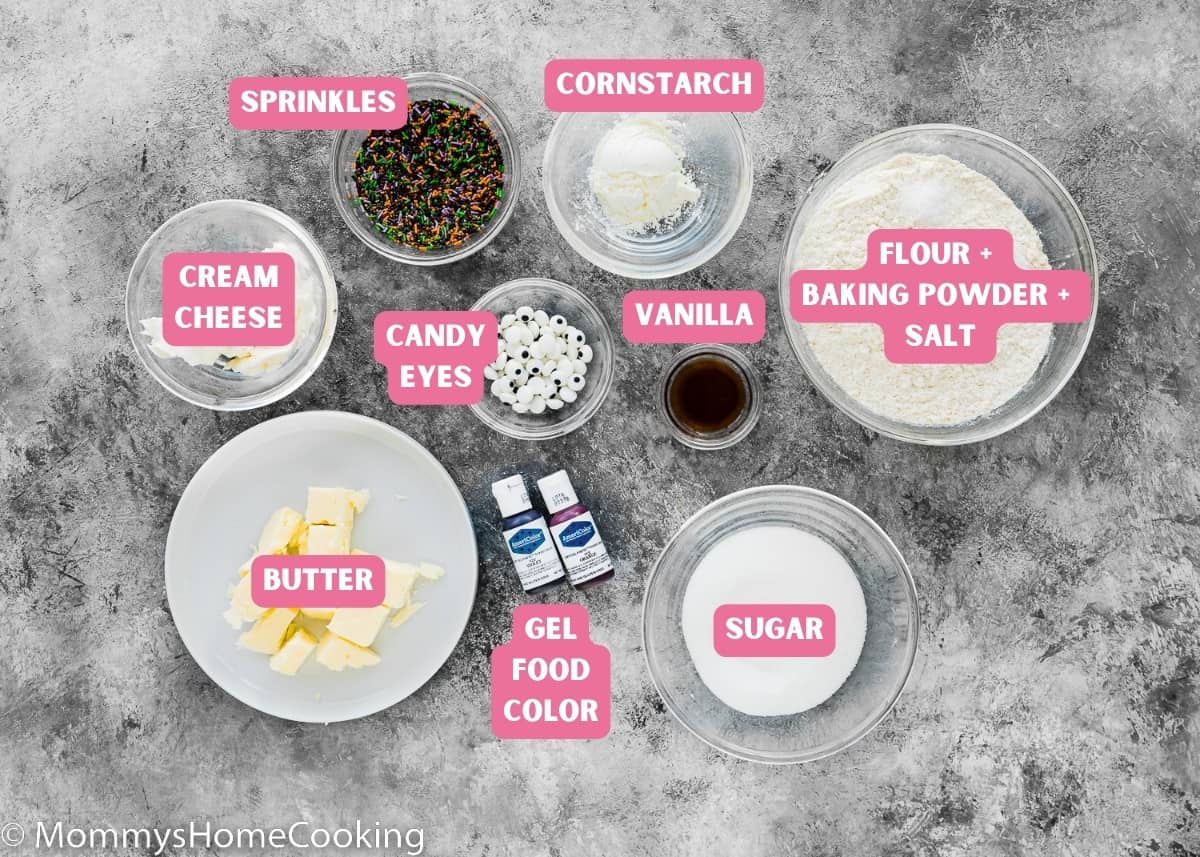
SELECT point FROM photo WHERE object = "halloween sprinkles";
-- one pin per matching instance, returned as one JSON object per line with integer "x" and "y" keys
{"x": 434, "y": 182}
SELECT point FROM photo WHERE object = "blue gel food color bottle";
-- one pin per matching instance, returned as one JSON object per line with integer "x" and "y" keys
{"x": 526, "y": 536}
{"x": 575, "y": 533}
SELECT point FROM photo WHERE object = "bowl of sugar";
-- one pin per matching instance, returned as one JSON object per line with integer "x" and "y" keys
{"x": 780, "y": 624}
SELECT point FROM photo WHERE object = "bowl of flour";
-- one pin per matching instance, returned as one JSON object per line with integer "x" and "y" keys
{"x": 786, "y": 547}
{"x": 938, "y": 176}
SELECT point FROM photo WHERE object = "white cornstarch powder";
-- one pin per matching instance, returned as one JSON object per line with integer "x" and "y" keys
{"x": 919, "y": 191}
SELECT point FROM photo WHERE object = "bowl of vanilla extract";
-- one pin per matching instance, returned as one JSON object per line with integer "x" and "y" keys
{"x": 711, "y": 397}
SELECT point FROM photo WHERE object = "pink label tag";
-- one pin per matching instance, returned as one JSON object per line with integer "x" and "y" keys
{"x": 435, "y": 357}
{"x": 774, "y": 630}
{"x": 940, "y": 295}
{"x": 242, "y": 299}
{"x": 317, "y": 581}
{"x": 665, "y": 316}
{"x": 317, "y": 103}
{"x": 551, "y": 681}
{"x": 656, "y": 85}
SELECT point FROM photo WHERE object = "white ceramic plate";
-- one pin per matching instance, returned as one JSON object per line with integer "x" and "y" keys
{"x": 416, "y": 513}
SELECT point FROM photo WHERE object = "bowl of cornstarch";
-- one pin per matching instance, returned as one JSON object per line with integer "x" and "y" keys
{"x": 938, "y": 177}
{"x": 780, "y": 624}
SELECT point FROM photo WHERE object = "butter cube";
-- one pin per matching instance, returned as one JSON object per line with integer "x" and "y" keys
{"x": 294, "y": 653}
{"x": 269, "y": 631}
{"x": 405, "y": 613}
{"x": 359, "y": 625}
{"x": 337, "y": 653}
{"x": 280, "y": 530}
{"x": 334, "y": 505}
{"x": 320, "y": 614}
{"x": 401, "y": 578}
{"x": 329, "y": 540}
{"x": 242, "y": 608}
{"x": 429, "y": 571}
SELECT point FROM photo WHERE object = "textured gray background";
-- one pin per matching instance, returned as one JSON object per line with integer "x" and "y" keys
{"x": 1055, "y": 706}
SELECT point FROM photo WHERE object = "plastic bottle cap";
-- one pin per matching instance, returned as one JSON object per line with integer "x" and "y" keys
{"x": 511, "y": 495}
{"x": 557, "y": 491}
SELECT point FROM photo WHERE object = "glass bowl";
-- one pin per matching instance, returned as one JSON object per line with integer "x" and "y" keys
{"x": 736, "y": 431}
{"x": 718, "y": 159}
{"x": 555, "y": 298}
{"x": 878, "y": 677}
{"x": 346, "y": 145}
{"x": 233, "y": 225}
{"x": 1042, "y": 199}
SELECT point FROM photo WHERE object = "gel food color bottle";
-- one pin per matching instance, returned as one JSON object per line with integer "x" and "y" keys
{"x": 526, "y": 536}
{"x": 575, "y": 533}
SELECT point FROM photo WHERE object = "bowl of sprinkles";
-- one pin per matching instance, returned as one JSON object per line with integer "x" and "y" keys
{"x": 437, "y": 189}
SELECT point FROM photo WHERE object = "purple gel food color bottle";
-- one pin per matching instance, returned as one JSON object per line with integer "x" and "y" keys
{"x": 575, "y": 534}
{"x": 528, "y": 539}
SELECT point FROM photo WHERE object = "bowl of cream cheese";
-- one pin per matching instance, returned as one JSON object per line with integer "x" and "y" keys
{"x": 738, "y": 569}
{"x": 232, "y": 378}
{"x": 647, "y": 195}
{"x": 939, "y": 176}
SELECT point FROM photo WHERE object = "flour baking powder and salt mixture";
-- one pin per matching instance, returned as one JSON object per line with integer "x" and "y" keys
{"x": 919, "y": 191}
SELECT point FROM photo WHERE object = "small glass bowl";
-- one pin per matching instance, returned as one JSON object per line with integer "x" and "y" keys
{"x": 887, "y": 654}
{"x": 232, "y": 225}
{"x": 556, "y": 299}
{"x": 1047, "y": 205}
{"x": 736, "y": 431}
{"x": 346, "y": 145}
{"x": 718, "y": 159}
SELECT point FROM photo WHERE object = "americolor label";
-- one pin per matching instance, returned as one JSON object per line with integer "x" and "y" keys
{"x": 317, "y": 103}
{"x": 318, "y": 580}
{"x": 656, "y": 85}
{"x": 235, "y": 299}
{"x": 551, "y": 681}
{"x": 692, "y": 317}
{"x": 940, "y": 295}
{"x": 774, "y": 630}
{"x": 435, "y": 357}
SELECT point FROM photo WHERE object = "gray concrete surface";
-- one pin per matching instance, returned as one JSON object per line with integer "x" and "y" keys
{"x": 1055, "y": 706}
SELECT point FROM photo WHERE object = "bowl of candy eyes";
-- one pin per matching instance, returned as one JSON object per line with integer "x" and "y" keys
{"x": 554, "y": 360}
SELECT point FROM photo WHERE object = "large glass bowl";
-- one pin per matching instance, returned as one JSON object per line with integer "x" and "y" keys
{"x": 887, "y": 654}
{"x": 233, "y": 225}
{"x": 427, "y": 85}
{"x": 1042, "y": 199}
{"x": 555, "y": 298}
{"x": 718, "y": 158}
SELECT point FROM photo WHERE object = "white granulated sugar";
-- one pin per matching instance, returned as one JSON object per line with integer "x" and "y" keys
{"x": 927, "y": 191}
